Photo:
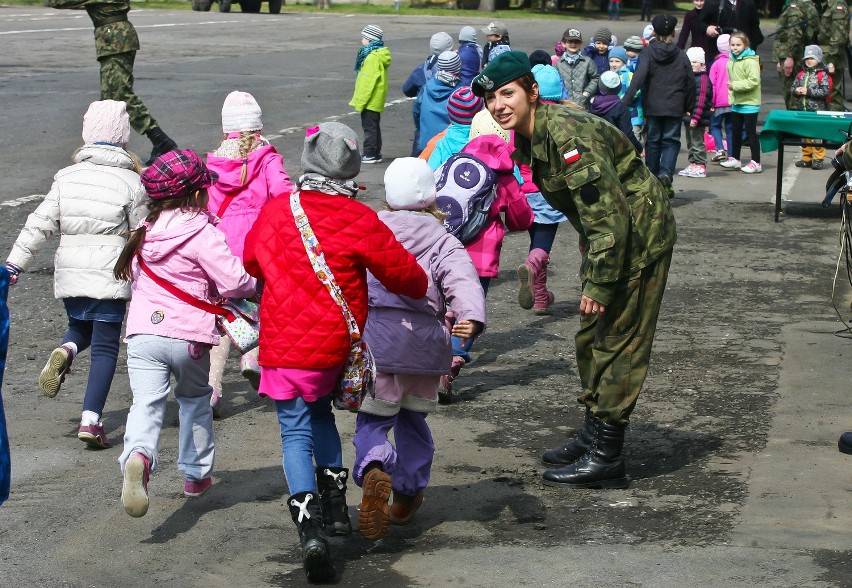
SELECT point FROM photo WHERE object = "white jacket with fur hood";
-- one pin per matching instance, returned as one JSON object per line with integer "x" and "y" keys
{"x": 92, "y": 205}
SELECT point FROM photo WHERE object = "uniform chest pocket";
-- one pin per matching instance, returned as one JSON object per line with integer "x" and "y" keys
{"x": 572, "y": 178}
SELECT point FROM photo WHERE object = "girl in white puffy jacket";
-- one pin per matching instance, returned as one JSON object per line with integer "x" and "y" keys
{"x": 92, "y": 205}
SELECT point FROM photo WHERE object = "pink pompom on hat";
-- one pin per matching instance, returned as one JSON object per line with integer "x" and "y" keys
{"x": 723, "y": 43}
{"x": 241, "y": 112}
{"x": 106, "y": 121}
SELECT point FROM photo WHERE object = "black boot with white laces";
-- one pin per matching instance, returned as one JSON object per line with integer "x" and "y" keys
{"x": 307, "y": 514}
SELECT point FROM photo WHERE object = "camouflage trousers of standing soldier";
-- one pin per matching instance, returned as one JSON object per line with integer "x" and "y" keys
{"x": 614, "y": 350}
{"x": 838, "y": 100}
{"x": 117, "y": 84}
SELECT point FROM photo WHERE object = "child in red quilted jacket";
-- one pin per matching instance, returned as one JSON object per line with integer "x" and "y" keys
{"x": 304, "y": 340}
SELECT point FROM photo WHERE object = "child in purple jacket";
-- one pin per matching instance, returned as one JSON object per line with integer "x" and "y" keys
{"x": 410, "y": 341}
{"x": 251, "y": 173}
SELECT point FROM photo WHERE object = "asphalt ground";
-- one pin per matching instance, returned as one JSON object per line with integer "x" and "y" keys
{"x": 737, "y": 480}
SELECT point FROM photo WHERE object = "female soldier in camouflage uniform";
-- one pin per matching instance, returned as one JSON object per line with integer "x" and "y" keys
{"x": 588, "y": 170}
{"x": 116, "y": 44}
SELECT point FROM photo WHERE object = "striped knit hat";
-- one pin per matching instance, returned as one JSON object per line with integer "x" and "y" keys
{"x": 372, "y": 33}
{"x": 449, "y": 61}
{"x": 463, "y": 105}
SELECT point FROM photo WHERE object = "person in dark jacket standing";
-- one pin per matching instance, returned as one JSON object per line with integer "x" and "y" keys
{"x": 470, "y": 54}
{"x": 608, "y": 106}
{"x": 116, "y": 44}
{"x": 589, "y": 171}
{"x": 693, "y": 27}
{"x": 721, "y": 17}
{"x": 665, "y": 77}
{"x": 696, "y": 121}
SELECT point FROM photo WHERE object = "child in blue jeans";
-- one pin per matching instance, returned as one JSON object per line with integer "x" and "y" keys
{"x": 411, "y": 344}
{"x": 304, "y": 339}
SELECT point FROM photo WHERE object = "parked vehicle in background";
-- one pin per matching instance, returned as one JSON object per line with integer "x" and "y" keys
{"x": 245, "y": 5}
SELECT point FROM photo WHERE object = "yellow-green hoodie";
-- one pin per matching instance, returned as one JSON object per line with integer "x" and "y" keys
{"x": 371, "y": 85}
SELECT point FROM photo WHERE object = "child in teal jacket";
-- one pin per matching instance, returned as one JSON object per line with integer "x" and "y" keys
{"x": 371, "y": 89}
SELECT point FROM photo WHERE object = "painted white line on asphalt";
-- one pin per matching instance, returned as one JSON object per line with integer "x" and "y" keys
{"x": 22, "y": 200}
{"x": 335, "y": 117}
{"x": 153, "y": 26}
{"x": 790, "y": 175}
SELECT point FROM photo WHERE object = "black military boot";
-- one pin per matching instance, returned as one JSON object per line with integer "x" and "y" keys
{"x": 162, "y": 144}
{"x": 601, "y": 467}
{"x": 306, "y": 513}
{"x": 575, "y": 448}
{"x": 332, "y": 490}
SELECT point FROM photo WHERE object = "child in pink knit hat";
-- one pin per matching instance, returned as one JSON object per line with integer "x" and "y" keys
{"x": 102, "y": 199}
{"x": 251, "y": 173}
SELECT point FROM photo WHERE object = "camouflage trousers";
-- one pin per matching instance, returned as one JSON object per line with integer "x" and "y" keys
{"x": 787, "y": 87}
{"x": 614, "y": 350}
{"x": 117, "y": 84}
{"x": 838, "y": 100}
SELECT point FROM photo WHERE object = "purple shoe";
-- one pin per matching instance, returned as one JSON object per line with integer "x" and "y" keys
{"x": 192, "y": 488}
{"x": 94, "y": 436}
{"x": 134, "y": 490}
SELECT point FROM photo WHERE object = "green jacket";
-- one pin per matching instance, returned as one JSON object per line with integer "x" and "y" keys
{"x": 797, "y": 27}
{"x": 588, "y": 170}
{"x": 371, "y": 85}
{"x": 744, "y": 76}
{"x": 113, "y": 32}
{"x": 834, "y": 33}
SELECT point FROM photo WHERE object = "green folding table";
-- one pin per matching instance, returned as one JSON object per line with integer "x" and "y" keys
{"x": 787, "y": 128}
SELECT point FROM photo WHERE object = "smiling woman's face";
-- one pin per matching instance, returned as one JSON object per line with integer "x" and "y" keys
{"x": 512, "y": 107}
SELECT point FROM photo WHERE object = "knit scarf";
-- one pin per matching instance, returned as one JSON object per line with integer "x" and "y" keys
{"x": 321, "y": 183}
{"x": 571, "y": 58}
{"x": 365, "y": 51}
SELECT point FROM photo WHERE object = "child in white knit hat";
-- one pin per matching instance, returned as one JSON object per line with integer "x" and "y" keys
{"x": 410, "y": 342}
{"x": 102, "y": 199}
{"x": 251, "y": 173}
{"x": 698, "y": 119}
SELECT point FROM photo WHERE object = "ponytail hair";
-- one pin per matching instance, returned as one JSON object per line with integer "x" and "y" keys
{"x": 196, "y": 201}
{"x": 247, "y": 143}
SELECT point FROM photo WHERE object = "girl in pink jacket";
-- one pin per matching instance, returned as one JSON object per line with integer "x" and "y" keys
{"x": 176, "y": 255}
{"x": 251, "y": 172}
{"x": 510, "y": 202}
{"x": 721, "y": 101}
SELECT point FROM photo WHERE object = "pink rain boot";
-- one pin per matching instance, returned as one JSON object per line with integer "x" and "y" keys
{"x": 533, "y": 277}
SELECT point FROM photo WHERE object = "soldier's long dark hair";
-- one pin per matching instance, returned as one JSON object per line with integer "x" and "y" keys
{"x": 196, "y": 201}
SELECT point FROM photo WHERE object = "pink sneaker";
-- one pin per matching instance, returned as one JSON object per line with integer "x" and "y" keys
{"x": 193, "y": 488}
{"x": 445, "y": 388}
{"x": 752, "y": 167}
{"x": 134, "y": 490}
{"x": 250, "y": 369}
{"x": 94, "y": 436}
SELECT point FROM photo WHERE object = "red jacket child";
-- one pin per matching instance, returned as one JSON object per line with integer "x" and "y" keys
{"x": 302, "y": 326}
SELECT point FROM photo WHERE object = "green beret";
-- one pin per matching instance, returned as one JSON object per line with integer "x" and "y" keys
{"x": 508, "y": 66}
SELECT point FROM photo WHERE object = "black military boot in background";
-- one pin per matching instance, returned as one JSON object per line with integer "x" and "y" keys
{"x": 332, "y": 490}
{"x": 307, "y": 514}
{"x": 575, "y": 448}
{"x": 162, "y": 144}
{"x": 601, "y": 467}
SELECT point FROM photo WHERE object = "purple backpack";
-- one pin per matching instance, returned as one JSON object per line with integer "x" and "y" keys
{"x": 466, "y": 189}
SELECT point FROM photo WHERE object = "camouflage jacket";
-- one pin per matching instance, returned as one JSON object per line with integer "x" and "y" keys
{"x": 834, "y": 33}
{"x": 113, "y": 32}
{"x": 588, "y": 170}
{"x": 797, "y": 27}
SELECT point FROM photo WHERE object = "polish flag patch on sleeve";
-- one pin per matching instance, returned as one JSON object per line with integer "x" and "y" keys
{"x": 571, "y": 156}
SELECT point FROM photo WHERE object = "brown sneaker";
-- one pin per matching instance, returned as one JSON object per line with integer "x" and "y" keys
{"x": 373, "y": 516}
{"x": 404, "y": 507}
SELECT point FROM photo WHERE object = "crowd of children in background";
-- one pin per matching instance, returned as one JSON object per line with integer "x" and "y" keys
{"x": 206, "y": 219}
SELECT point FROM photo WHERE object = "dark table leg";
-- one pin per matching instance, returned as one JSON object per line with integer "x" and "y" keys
{"x": 779, "y": 177}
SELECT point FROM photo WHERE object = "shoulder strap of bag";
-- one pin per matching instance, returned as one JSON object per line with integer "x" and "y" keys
{"x": 225, "y": 204}
{"x": 183, "y": 296}
{"x": 321, "y": 269}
